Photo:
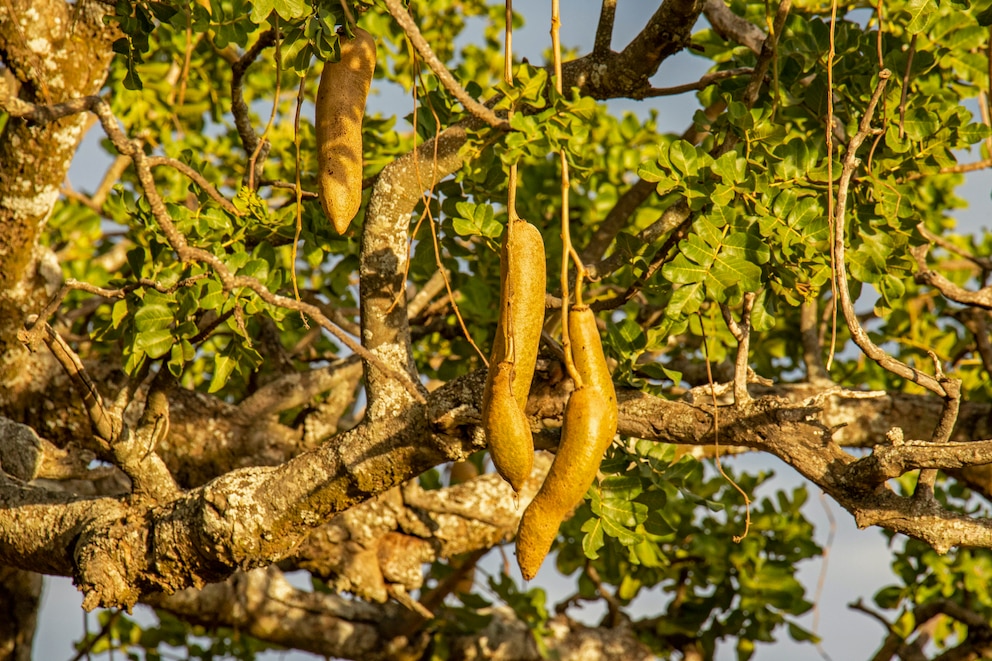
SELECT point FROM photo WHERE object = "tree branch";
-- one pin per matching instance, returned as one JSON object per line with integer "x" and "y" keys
{"x": 242, "y": 115}
{"x": 479, "y": 110}
{"x": 616, "y": 219}
{"x": 384, "y": 258}
{"x": 264, "y": 605}
{"x": 858, "y": 334}
{"x": 702, "y": 83}
{"x": 731, "y": 26}
{"x": 604, "y": 28}
{"x": 925, "y": 276}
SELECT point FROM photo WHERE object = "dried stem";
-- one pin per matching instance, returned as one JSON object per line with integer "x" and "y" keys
{"x": 858, "y": 333}
{"x": 742, "y": 333}
{"x": 197, "y": 178}
{"x": 477, "y": 109}
{"x": 702, "y": 83}
{"x": 242, "y": 117}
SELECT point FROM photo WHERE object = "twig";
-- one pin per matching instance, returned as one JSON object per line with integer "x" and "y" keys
{"x": 104, "y": 631}
{"x": 104, "y": 425}
{"x": 298, "y": 188}
{"x": 567, "y": 250}
{"x": 976, "y": 321}
{"x": 242, "y": 119}
{"x": 860, "y": 606}
{"x": 924, "y": 276}
{"x": 716, "y": 436}
{"x": 428, "y": 192}
{"x": 702, "y": 83}
{"x": 742, "y": 333}
{"x": 905, "y": 86}
{"x": 261, "y": 150}
{"x": 614, "y": 607}
{"x": 942, "y": 430}
{"x": 148, "y": 474}
{"x": 477, "y": 109}
{"x": 663, "y": 256}
{"x": 75, "y": 285}
{"x": 983, "y": 263}
{"x": 433, "y": 598}
{"x": 348, "y": 16}
{"x": 604, "y": 29}
{"x": 198, "y": 179}
{"x": 954, "y": 169}
{"x": 288, "y": 185}
{"x": 831, "y": 200}
{"x": 858, "y": 333}
{"x": 821, "y": 581}
{"x": 111, "y": 177}
{"x": 766, "y": 55}
{"x": 671, "y": 218}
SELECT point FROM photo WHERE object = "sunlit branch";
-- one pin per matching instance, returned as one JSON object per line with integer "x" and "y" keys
{"x": 479, "y": 110}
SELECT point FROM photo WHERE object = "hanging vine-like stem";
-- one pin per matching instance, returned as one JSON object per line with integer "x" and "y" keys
{"x": 511, "y": 184}
{"x": 566, "y": 238}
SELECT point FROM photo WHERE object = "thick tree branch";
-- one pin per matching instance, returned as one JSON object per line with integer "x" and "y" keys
{"x": 264, "y": 605}
{"x": 890, "y": 461}
{"x": 383, "y": 263}
{"x": 667, "y": 32}
{"x": 73, "y": 41}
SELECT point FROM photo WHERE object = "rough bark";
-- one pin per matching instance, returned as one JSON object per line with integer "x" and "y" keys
{"x": 20, "y": 597}
{"x": 253, "y": 493}
{"x": 56, "y": 52}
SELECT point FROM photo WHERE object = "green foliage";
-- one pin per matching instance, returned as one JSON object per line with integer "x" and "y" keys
{"x": 758, "y": 186}
{"x": 121, "y": 633}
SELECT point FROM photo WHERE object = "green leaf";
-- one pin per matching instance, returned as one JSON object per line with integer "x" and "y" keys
{"x": 153, "y": 317}
{"x": 476, "y": 220}
{"x": 802, "y": 635}
{"x": 290, "y": 9}
{"x": 154, "y": 343}
{"x": 682, "y": 156}
{"x": 118, "y": 313}
{"x": 593, "y": 540}
{"x": 212, "y": 296}
{"x": 223, "y": 367}
{"x": 922, "y": 15}
{"x": 624, "y": 535}
{"x": 685, "y": 300}
{"x": 921, "y": 123}
{"x": 260, "y": 10}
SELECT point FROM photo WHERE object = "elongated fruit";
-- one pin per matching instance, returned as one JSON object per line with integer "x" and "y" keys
{"x": 523, "y": 281}
{"x": 511, "y": 444}
{"x": 589, "y": 427}
{"x": 344, "y": 87}
{"x": 514, "y": 354}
